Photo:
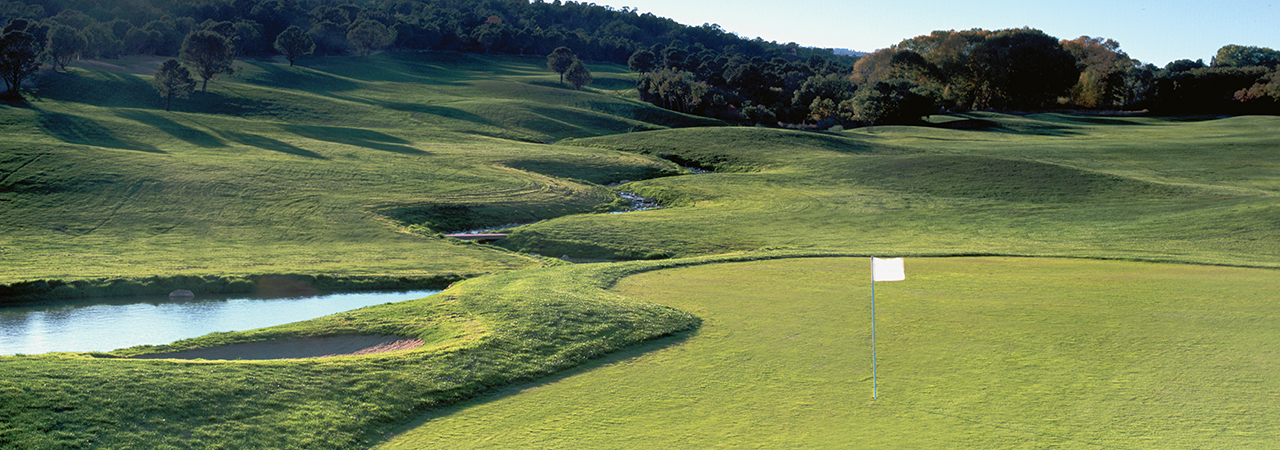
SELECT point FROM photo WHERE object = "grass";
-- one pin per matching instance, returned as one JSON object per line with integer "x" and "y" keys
{"x": 349, "y": 169}
{"x": 1042, "y": 185}
{"x": 282, "y": 170}
{"x": 972, "y": 352}
{"x": 481, "y": 334}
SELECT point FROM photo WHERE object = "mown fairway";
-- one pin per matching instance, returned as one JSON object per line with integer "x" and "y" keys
{"x": 973, "y": 353}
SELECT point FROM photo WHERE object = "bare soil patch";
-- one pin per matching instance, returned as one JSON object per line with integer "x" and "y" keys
{"x": 316, "y": 347}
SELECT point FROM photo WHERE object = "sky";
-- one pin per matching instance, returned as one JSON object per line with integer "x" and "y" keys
{"x": 1152, "y": 31}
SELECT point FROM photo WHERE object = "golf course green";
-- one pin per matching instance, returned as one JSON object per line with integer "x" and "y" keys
{"x": 972, "y": 353}
{"x": 1073, "y": 281}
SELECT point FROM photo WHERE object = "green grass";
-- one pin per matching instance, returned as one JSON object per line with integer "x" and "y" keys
{"x": 972, "y": 353}
{"x": 312, "y": 170}
{"x": 351, "y": 168}
{"x": 481, "y": 334}
{"x": 1043, "y": 185}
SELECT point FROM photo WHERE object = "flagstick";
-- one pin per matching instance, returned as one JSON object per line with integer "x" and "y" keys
{"x": 874, "y": 381}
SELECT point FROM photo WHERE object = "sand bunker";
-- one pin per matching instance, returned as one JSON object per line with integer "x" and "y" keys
{"x": 317, "y": 347}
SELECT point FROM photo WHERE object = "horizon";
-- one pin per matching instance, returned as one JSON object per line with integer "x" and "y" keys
{"x": 1149, "y": 31}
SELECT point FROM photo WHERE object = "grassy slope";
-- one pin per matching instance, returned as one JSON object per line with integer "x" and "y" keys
{"x": 972, "y": 353}
{"x": 481, "y": 333}
{"x": 306, "y": 169}
{"x": 1046, "y": 185}
{"x": 320, "y": 179}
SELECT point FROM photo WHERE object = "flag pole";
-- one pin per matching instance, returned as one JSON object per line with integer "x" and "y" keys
{"x": 874, "y": 381}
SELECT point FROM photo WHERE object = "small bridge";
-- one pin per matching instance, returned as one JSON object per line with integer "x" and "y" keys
{"x": 483, "y": 238}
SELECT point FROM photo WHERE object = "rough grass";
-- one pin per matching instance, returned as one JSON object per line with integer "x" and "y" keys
{"x": 331, "y": 169}
{"x": 1043, "y": 185}
{"x": 481, "y": 334}
{"x": 972, "y": 353}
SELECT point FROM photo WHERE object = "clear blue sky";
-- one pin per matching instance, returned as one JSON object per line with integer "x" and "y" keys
{"x": 1153, "y": 31}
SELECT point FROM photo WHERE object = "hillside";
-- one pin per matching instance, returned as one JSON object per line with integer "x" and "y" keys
{"x": 355, "y": 166}
{"x": 1042, "y": 185}
{"x": 279, "y": 169}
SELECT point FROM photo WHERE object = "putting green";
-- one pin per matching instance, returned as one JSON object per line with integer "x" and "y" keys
{"x": 973, "y": 353}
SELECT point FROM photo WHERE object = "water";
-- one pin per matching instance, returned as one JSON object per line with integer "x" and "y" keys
{"x": 109, "y": 324}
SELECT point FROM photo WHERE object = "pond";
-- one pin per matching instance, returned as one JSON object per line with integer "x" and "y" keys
{"x": 109, "y": 324}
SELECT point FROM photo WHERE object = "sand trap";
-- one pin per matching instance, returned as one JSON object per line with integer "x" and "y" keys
{"x": 318, "y": 347}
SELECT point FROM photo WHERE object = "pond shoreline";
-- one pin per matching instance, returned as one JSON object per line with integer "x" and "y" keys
{"x": 37, "y": 292}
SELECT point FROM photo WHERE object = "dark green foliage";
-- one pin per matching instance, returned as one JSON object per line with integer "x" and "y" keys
{"x": 172, "y": 80}
{"x": 642, "y": 61}
{"x": 578, "y": 75}
{"x": 64, "y": 45}
{"x": 1027, "y": 69}
{"x": 560, "y": 60}
{"x": 898, "y": 102}
{"x": 19, "y": 58}
{"x": 209, "y": 54}
{"x": 368, "y": 36}
{"x": 293, "y": 43}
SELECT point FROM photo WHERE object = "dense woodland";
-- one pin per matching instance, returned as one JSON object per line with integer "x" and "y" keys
{"x": 702, "y": 70}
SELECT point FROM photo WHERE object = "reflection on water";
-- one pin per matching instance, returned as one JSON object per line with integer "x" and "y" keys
{"x": 109, "y": 324}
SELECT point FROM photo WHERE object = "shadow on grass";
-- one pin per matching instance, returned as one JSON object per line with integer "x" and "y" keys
{"x": 515, "y": 389}
{"x": 185, "y": 133}
{"x": 81, "y": 131}
{"x": 551, "y": 84}
{"x": 1032, "y": 127}
{"x": 611, "y": 84}
{"x": 279, "y": 76}
{"x": 354, "y": 136}
{"x": 267, "y": 143}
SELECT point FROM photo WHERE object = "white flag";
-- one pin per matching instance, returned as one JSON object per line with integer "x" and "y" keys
{"x": 887, "y": 270}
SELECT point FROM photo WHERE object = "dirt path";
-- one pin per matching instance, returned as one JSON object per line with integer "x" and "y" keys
{"x": 318, "y": 347}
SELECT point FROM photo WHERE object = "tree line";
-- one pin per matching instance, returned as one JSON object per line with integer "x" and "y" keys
{"x": 701, "y": 70}
{"x": 955, "y": 71}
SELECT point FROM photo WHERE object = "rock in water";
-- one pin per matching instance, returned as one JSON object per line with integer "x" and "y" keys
{"x": 182, "y": 293}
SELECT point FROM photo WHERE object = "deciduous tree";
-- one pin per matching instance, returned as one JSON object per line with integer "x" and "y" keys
{"x": 577, "y": 75}
{"x": 642, "y": 61}
{"x": 559, "y": 61}
{"x": 65, "y": 44}
{"x": 1246, "y": 56}
{"x": 1103, "y": 69}
{"x": 293, "y": 43}
{"x": 172, "y": 80}
{"x": 209, "y": 53}
{"x": 368, "y": 36}
{"x": 19, "y": 58}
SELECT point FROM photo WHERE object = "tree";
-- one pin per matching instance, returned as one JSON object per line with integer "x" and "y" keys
{"x": 368, "y": 36}
{"x": 65, "y": 44}
{"x": 173, "y": 80}
{"x": 1026, "y": 68}
{"x": 1242, "y": 56}
{"x": 19, "y": 58}
{"x": 642, "y": 61}
{"x": 559, "y": 61}
{"x": 672, "y": 89}
{"x": 209, "y": 53}
{"x": 896, "y": 102}
{"x": 578, "y": 75}
{"x": 293, "y": 42}
{"x": 1103, "y": 72}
